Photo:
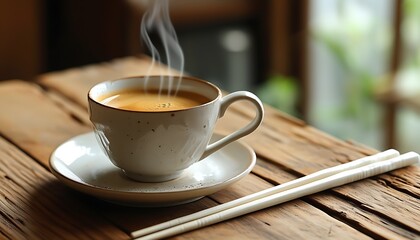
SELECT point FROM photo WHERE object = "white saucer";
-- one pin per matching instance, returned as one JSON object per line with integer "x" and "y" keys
{"x": 81, "y": 164}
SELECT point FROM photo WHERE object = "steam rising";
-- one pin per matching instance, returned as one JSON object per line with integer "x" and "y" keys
{"x": 157, "y": 20}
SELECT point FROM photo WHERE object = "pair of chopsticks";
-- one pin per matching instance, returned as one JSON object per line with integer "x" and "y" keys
{"x": 319, "y": 181}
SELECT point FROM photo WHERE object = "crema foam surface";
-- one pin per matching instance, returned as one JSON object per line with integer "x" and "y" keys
{"x": 138, "y": 100}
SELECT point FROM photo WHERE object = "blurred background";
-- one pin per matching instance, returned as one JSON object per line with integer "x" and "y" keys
{"x": 348, "y": 67}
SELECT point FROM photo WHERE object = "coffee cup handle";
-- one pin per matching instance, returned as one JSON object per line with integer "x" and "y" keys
{"x": 226, "y": 101}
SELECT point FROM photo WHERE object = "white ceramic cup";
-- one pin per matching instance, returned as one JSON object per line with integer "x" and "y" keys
{"x": 158, "y": 146}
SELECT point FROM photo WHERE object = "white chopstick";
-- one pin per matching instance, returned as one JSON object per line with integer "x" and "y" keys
{"x": 294, "y": 193}
{"x": 274, "y": 190}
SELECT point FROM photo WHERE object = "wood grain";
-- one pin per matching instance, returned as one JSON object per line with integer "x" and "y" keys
{"x": 291, "y": 220}
{"x": 55, "y": 115}
{"x": 382, "y": 207}
{"x": 384, "y": 200}
{"x": 349, "y": 204}
{"x": 24, "y": 119}
{"x": 34, "y": 205}
{"x": 351, "y": 213}
{"x": 38, "y": 137}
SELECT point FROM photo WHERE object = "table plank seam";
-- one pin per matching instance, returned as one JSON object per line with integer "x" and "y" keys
{"x": 387, "y": 182}
{"x": 313, "y": 202}
{"x": 341, "y": 216}
{"x": 23, "y": 196}
{"x": 384, "y": 207}
{"x": 64, "y": 108}
{"x": 55, "y": 96}
{"x": 312, "y": 136}
{"x": 261, "y": 216}
{"x": 352, "y": 221}
{"x": 336, "y": 192}
{"x": 49, "y": 88}
{"x": 367, "y": 208}
{"x": 295, "y": 173}
{"x": 22, "y": 150}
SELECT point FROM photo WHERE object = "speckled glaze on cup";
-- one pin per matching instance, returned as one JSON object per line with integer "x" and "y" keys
{"x": 158, "y": 146}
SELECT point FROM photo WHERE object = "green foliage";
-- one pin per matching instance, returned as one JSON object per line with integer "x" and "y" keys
{"x": 280, "y": 92}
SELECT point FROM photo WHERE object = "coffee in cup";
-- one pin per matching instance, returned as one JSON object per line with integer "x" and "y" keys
{"x": 152, "y": 100}
{"x": 152, "y": 132}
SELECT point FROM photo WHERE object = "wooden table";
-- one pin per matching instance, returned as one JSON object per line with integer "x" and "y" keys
{"x": 37, "y": 117}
